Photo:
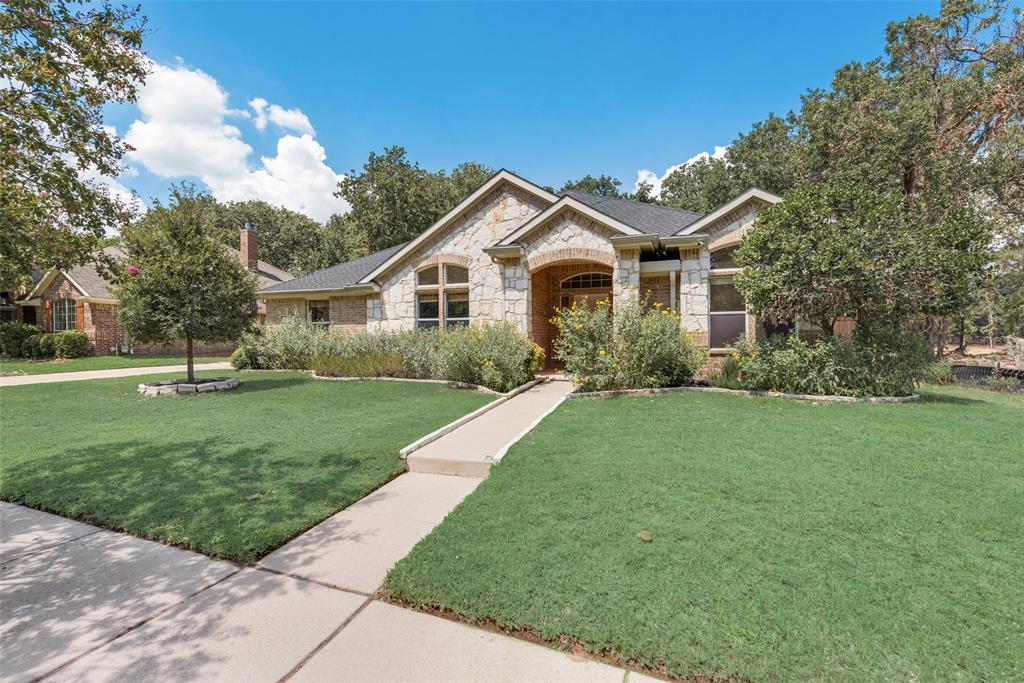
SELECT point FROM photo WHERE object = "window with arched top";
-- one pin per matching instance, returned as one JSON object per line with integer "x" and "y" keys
{"x": 587, "y": 281}
{"x": 442, "y": 296}
{"x": 724, "y": 258}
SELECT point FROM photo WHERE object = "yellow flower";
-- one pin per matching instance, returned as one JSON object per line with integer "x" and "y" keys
{"x": 602, "y": 352}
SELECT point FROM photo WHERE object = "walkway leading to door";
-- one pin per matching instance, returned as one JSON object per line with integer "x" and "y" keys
{"x": 471, "y": 449}
{"x": 18, "y": 380}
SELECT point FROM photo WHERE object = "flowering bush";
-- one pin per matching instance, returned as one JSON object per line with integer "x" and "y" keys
{"x": 495, "y": 356}
{"x": 636, "y": 346}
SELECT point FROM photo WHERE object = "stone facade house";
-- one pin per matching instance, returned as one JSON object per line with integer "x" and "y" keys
{"x": 512, "y": 251}
{"x": 81, "y": 298}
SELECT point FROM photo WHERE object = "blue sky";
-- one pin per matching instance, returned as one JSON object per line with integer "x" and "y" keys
{"x": 552, "y": 91}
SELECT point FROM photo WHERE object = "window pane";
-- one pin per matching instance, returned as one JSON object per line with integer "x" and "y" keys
{"x": 725, "y": 329}
{"x": 427, "y": 276}
{"x": 424, "y": 324}
{"x": 456, "y": 275}
{"x": 587, "y": 281}
{"x": 63, "y": 315}
{"x": 725, "y": 297}
{"x": 319, "y": 311}
{"x": 456, "y": 306}
{"x": 462, "y": 322}
{"x": 724, "y": 258}
{"x": 427, "y": 307}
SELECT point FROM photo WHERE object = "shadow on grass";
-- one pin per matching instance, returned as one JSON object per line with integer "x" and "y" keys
{"x": 219, "y": 498}
{"x": 929, "y": 397}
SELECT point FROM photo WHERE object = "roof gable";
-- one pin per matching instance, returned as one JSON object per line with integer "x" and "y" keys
{"x": 753, "y": 195}
{"x": 569, "y": 203}
{"x": 497, "y": 179}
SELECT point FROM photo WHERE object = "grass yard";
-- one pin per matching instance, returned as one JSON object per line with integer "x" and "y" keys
{"x": 232, "y": 474}
{"x": 21, "y": 366}
{"x": 786, "y": 540}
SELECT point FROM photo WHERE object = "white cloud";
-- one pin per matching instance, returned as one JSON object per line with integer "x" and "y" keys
{"x": 297, "y": 178}
{"x": 184, "y": 130}
{"x": 649, "y": 176}
{"x": 289, "y": 119}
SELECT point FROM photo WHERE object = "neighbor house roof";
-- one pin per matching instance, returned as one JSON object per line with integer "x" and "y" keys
{"x": 88, "y": 280}
{"x": 342, "y": 276}
{"x": 650, "y": 219}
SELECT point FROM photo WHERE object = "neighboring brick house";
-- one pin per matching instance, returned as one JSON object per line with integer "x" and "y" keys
{"x": 512, "y": 251}
{"x": 82, "y": 299}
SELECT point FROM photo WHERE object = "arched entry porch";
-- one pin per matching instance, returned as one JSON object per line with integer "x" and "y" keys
{"x": 558, "y": 284}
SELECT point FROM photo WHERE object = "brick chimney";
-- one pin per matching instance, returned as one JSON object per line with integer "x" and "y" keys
{"x": 249, "y": 247}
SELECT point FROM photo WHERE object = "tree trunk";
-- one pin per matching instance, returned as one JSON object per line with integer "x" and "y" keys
{"x": 188, "y": 355}
{"x": 962, "y": 347}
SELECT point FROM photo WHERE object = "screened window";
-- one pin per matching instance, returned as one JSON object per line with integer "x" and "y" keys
{"x": 63, "y": 315}
{"x": 319, "y": 312}
{"x": 427, "y": 310}
{"x": 427, "y": 277}
{"x": 456, "y": 275}
{"x": 456, "y": 309}
{"x": 587, "y": 281}
{"x": 724, "y": 258}
{"x": 728, "y": 315}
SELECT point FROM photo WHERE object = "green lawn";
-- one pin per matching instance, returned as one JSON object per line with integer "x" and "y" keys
{"x": 231, "y": 475}
{"x": 20, "y": 366}
{"x": 788, "y": 540}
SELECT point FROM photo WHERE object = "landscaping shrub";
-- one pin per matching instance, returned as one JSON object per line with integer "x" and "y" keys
{"x": 1003, "y": 384}
{"x": 69, "y": 344}
{"x": 728, "y": 377}
{"x": 31, "y": 348}
{"x": 13, "y": 336}
{"x": 637, "y": 346}
{"x": 882, "y": 365}
{"x": 495, "y": 356}
{"x": 939, "y": 373}
{"x": 372, "y": 364}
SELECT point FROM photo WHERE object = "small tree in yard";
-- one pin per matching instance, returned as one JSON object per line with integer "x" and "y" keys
{"x": 844, "y": 251}
{"x": 179, "y": 283}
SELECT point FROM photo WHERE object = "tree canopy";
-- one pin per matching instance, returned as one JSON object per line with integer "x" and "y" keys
{"x": 59, "y": 67}
{"x": 178, "y": 281}
{"x": 843, "y": 250}
{"x": 394, "y": 199}
{"x": 602, "y": 186}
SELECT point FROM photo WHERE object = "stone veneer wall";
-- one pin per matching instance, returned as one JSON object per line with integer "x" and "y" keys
{"x": 694, "y": 295}
{"x": 492, "y": 294}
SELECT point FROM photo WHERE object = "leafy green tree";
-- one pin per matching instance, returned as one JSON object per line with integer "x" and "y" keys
{"x": 769, "y": 157}
{"x": 845, "y": 251}
{"x": 393, "y": 199}
{"x": 602, "y": 186}
{"x": 287, "y": 239}
{"x": 179, "y": 282}
{"x": 60, "y": 66}
{"x": 699, "y": 186}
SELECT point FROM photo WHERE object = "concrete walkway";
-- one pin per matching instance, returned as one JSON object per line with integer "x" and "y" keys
{"x": 471, "y": 449}
{"x": 18, "y": 380}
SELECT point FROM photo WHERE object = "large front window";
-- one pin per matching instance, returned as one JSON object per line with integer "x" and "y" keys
{"x": 319, "y": 312}
{"x": 63, "y": 315}
{"x": 442, "y": 296}
{"x": 728, "y": 314}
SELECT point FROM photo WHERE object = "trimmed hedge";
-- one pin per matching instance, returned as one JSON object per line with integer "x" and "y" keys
{"x": 495, "y": 356}
{"x": 32, "y": 342}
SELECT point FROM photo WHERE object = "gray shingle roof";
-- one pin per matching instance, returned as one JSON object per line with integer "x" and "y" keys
{"x": 651, "y": 219}
{"x": 337, "y": 277}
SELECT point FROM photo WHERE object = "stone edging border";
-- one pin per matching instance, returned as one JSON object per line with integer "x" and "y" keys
{"x": 452, "y": 426}
{"x": 743, "y": 392}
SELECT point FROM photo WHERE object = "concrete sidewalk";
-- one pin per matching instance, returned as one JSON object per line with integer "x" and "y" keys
{"x": 471, "y": 449}
{"x": 18, "y": 380}
{"x": 78, "y": 603}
